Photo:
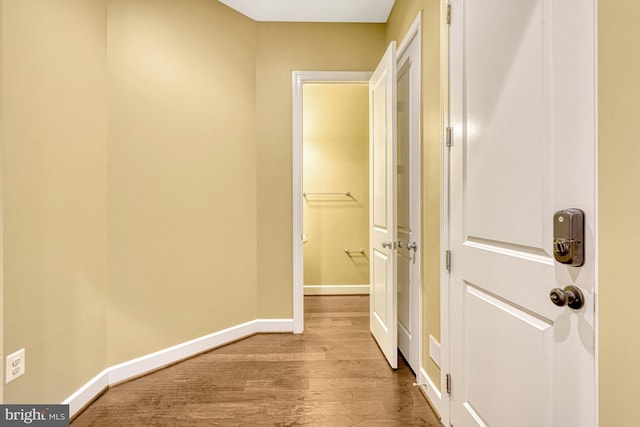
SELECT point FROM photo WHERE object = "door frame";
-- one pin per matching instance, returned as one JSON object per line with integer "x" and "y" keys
{"x": 299, "y": 78}
{"x": 2, "y": 384}
{"x": 441, "y": 397}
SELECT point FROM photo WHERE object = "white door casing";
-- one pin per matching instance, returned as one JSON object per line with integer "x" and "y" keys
{"x": 408, "y": 196}
{"x": 382, "y": 124}
{"x": 299, "y": 79}
{"x": 522, "y": 105}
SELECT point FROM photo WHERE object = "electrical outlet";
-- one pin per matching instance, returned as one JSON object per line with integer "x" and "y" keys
{"x": 15, "y": 366}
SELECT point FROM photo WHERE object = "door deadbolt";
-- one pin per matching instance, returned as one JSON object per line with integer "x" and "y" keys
{"x": 571, "y": 295}
{"x": 568, "y": 237}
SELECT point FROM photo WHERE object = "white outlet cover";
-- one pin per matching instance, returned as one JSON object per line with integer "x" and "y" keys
{"x": 15, "y": 366}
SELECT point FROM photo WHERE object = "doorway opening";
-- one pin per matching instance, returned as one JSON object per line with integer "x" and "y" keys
{"x": 336, "y": 188}
{"x": 300, "y": 80}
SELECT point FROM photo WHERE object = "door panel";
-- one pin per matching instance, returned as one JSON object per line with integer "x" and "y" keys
{"x": 380, "y": 308}
{"x": 489, "y": 359}
{"x": 404, "y": 212}
{"x": 507, "y": 113}
{"x": 383, "y": 296}
{"x": 524, "y": 144}
{"x": 408, "y": 187}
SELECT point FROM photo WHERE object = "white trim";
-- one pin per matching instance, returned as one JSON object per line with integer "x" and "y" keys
{"x": 336, "y": 289}
{"x": 2, "y": 270}
{"x": 596, "y": 220}
{"x": 87, "y": 393}
{"x": 299, "y": 78}
{"x": 433, "y": 394}
{"x": 151, "y": 362}
{"x": 444, "y": 403}
{"x": 297, "y": 201}
{"x": 414, "y": 31}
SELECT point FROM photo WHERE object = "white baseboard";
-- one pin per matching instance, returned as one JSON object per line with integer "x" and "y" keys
{"x": 151, "y": 362}
{"x": 431, "y": 391}
{"x": 336, "y": 290}
{"x": 87, "y": 392}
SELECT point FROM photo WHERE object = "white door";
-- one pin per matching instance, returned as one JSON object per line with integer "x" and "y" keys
{"x": 408, "y": 197}
{"x": 382, "y": 118}
{"x": 522, "y": 97}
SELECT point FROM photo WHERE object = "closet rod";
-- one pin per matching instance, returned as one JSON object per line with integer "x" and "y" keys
{"x": 351, "y": 251}
{"x": 348, "y": 194}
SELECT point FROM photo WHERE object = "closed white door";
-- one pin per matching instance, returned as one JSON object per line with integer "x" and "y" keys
{"x": 522, "y": 99}
{"x": 382, "y": 118}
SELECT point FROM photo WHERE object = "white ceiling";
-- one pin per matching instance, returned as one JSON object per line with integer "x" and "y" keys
{"x": 314, "y": 10}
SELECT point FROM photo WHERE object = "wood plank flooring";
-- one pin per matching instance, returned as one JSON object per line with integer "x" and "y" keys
{"x": 332, "y": 375}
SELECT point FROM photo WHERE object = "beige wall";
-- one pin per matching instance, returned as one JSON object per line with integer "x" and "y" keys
{"x": 54, "y": 175}
{"x": 336, "y": 159}
{"x": 619, "y": 175}
{"x": 182, "y": 173}
{"x": 283, "y": 48}
{"x": 170, "y": 201}
{"x": 402, "y": 16}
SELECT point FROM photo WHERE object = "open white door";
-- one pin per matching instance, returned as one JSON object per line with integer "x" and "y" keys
{"x": 382, "y": 119}
{"x": 408, "y": 196}
{"x": 523, "y": 100}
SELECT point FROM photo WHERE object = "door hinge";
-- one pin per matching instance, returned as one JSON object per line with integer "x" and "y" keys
{"x": 448, "y": 14}
{"x": 449, "y": 137}
{"x": 447, "y": 260}
{"x": 448, "y": 385}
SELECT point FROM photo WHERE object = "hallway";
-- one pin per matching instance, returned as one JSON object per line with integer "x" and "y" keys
{"x": 332, "y": 375}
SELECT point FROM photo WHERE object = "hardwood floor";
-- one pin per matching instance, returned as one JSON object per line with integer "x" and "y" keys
{"x": 332, "y": 375}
